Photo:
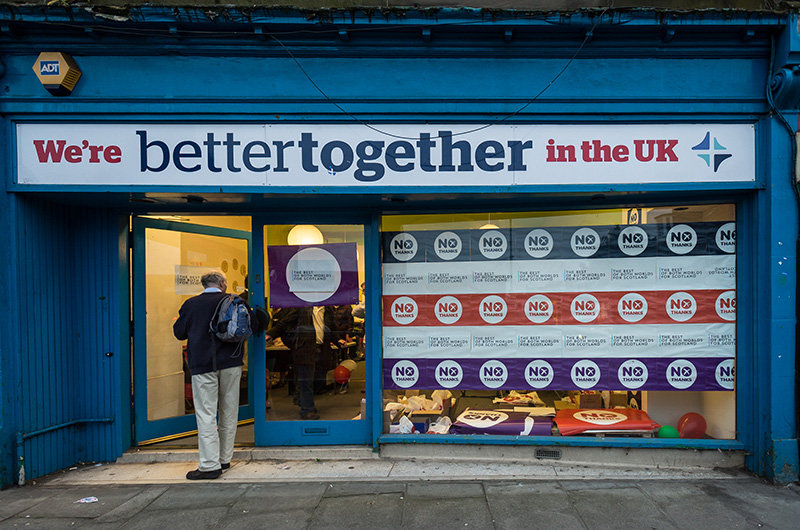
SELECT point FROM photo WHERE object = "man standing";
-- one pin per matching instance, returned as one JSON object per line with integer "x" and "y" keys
{"x": 215, "y": 384}
{"x": 308, "y": 333}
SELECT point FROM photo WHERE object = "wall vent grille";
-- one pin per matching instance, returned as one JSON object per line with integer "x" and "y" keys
{"x": 552, "y": 454}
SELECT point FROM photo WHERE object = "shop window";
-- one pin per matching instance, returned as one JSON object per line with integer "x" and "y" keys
{"x": 335, "y": 265}
{"x": 615, "y": 322}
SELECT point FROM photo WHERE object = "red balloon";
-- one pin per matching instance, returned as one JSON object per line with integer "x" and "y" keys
{"x": 692, "y": 425}
{"x": 341, "y": 374}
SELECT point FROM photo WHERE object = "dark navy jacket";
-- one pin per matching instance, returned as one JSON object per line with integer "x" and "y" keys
{"x": 193, "y": 326}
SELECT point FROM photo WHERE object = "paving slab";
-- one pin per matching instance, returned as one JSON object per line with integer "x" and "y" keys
{"x": 447, "y": 513}
{"x": 532, "y": 505}
{"x": 757, "y": 502}
{"x": 144, "y": 496}
{"x": 358, "y": 512}
{"x": 177, "y": 519}
{"x": 288, "y": 519}
{"x": 199, "y": 495}
{"x": 64, "y": 502}
{"x": 450, "y": 490}
{"x": 14, "y": 501}
{"x": 274, "y": 497}
{"x": 686, "y": 503}
{"x": 618, "y": 506}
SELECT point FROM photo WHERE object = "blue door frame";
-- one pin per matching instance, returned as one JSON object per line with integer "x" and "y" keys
{"x": 346, "y": 432}
{"x": 145, "y": 430}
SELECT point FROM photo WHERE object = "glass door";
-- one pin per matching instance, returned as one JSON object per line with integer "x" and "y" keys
{"x": 314, "y": 272}
{"x": 169, "y": 257}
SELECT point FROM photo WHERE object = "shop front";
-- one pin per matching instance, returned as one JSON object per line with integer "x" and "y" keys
{"x": 516, "y": 242}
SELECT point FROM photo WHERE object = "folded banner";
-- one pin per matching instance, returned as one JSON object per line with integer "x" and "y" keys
{"x": 571, "y": 421}
{"x": 501, "y": 423}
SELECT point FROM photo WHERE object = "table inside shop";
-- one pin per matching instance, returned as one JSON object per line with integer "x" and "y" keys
{"x": 338, "y": 354}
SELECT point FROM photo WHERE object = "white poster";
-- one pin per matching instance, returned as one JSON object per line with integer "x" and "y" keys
{"x": 187, "y": 279}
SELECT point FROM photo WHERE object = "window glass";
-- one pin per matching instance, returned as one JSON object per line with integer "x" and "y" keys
{"x": 617, "y": 321}
{"x": 329, "y": 383}
{"x": 175, "y": 261}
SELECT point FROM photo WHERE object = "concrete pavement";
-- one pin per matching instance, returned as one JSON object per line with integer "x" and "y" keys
{"x": 375, "y": 493}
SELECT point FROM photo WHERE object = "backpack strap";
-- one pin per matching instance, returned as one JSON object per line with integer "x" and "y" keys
{"x": 212, "y": 323}
{"x": 213, "y": 333}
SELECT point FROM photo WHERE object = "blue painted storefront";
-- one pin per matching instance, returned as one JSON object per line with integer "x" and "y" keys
{"x": 66, "y": 354}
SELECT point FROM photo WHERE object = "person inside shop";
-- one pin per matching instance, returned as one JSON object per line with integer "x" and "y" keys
{"x": 309, "y": 332}
{"x": 343, "y": 325}
{"x": 359, "y": 311}
{"x": 215, "y": 386}
{"x": 279, "y": 361}
{"x": 359, "y": 314}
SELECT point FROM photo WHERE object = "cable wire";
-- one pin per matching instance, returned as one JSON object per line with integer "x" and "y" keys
{"x": 507, "y": 117}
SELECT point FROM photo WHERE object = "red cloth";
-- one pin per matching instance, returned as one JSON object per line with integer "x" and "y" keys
{"x": 572, "y": 421}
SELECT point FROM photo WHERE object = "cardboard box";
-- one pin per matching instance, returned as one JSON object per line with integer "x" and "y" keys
{"x": 421, "y": 425}
{"x": 449, "y": 408}
{"x": 618, "y": 399}
{"x": 420, "y": 415}
{"x": 561, "y": 405}
{"x": 396, "y": 418}
{"x": 591, "y": 401}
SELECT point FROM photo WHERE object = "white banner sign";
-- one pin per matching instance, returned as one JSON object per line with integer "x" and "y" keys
{"x": 187, "y": 279}
{"x": 190, "y": 155}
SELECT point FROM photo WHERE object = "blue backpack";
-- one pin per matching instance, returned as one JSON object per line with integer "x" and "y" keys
{"x": 231, "y": 320}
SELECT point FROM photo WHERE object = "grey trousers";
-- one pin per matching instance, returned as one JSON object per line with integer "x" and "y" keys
{"x": 212, "y": 391}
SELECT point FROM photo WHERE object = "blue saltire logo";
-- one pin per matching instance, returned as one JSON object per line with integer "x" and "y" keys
{"x": 705, "y": 145}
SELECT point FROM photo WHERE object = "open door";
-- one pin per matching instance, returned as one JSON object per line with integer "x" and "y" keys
{"x": 169, "y": 257}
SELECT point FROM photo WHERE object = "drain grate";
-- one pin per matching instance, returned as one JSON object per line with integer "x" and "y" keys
{"x": 553, "y": 454}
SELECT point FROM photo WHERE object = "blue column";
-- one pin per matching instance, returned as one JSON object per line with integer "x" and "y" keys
{"x": 776, "y": 288}
{"x": 9, "y": 359}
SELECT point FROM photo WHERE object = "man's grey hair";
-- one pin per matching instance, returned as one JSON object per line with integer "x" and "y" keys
{"x": 213, "y": 279}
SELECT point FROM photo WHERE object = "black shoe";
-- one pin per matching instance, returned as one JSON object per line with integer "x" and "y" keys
{"x": 226, "y": 467}
{"x": 204, "y": 475}
{"x": 309, "y": 416}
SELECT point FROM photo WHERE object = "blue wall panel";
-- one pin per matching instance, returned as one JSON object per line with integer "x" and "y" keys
{"x": 69, "y": 290}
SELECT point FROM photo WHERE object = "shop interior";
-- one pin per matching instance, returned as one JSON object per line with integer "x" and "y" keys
{"x": 341, "y": 392}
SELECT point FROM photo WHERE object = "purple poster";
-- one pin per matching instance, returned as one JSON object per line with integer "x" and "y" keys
{"x": 313, "y": 275}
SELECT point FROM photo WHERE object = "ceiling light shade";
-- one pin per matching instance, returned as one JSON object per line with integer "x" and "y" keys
{"x": 305, "y": 235}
